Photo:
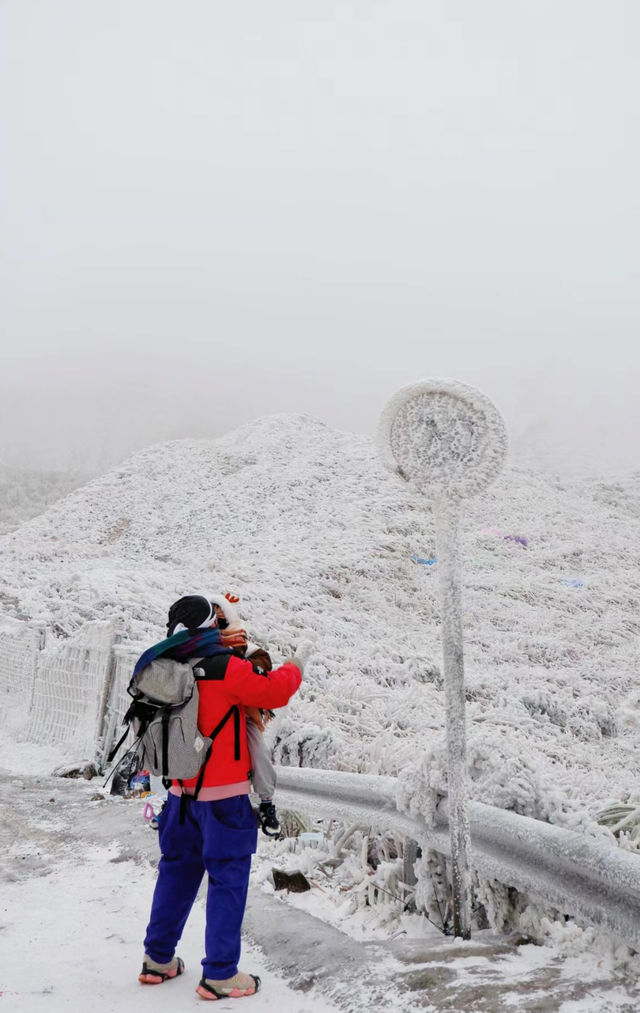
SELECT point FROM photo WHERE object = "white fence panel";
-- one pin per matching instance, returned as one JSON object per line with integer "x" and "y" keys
{"x": 20, "y": 645}
{"x": 69, "y": 690}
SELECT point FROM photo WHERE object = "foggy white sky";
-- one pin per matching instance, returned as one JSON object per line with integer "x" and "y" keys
{"x": 214, "y": 210}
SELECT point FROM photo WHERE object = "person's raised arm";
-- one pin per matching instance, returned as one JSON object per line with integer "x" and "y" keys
{"x": 273, "y": 689}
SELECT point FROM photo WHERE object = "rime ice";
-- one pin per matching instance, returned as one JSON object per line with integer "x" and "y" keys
{"x": 448, "y": 440}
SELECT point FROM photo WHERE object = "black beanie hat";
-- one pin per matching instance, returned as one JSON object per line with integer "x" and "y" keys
{"x": 193, "y": 611}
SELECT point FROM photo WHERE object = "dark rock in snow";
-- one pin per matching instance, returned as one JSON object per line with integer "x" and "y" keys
{"x": 295, "y": 882}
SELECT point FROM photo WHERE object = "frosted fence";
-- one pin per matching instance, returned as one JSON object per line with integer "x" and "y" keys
{"x": 73, "y": 692}
{"x": 20, "y": 645}
{"x": 69, "y": 691}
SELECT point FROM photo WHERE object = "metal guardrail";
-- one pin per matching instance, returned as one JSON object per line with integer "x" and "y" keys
{"x": 584, "y": 877}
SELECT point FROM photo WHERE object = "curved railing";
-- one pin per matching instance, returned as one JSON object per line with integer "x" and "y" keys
{"x": 585, "y": 877}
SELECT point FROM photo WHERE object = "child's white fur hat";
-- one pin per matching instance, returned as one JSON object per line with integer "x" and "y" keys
{"x": 227, "y": 603}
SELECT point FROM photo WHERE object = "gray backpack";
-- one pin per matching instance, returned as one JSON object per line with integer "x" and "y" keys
{"x": 164, "y": 718}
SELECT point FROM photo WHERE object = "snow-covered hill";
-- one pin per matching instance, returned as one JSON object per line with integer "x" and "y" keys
{"x": 307, "y": 527}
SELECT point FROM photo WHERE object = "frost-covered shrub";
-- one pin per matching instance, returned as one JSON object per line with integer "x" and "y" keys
{"x": 383, "y": 848}
{"x": 589, "y": 719}
{"x": 541, "y": 702}
{"x": 628, "y": 714}
{"x": 568, "y": 938}
{"x": 304, "y": 745}
{"x": 422, "y": 669}
{"x": 433, "y": 889}
{"x": 500, "y": 772}
{"x": 357, "y": 871}
{"x": 592, "y": 719}
{"x": 623, "y": 820}
{"x": 497, "y": 906}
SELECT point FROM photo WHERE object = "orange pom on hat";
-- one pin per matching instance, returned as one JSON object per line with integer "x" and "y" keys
{"x": 232, "y": 632}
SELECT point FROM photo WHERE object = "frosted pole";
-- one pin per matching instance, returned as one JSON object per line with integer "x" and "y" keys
{"x": 447, "y": 518}
{"x": 448, "y": 441}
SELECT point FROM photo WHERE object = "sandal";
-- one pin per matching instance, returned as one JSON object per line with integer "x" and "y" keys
{"x": 229, "y": 988}
{"x": 154, "y": 974}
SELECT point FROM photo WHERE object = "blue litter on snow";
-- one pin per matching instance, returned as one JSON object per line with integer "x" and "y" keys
{"x": 424, "y": 562}
{"x": 573, "y": 582}
{"x": 520, "y": 539}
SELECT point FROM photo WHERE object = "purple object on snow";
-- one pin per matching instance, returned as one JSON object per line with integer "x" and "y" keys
{"x": 517, "y": 538}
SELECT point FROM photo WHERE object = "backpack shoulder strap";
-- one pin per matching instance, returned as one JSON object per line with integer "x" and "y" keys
{"x": 234, "y": 711}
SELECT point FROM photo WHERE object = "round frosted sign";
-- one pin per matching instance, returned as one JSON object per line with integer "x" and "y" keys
{"x": 443, "y": 437}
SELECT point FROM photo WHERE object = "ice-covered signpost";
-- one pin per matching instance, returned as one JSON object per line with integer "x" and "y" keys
{"x": 448, "y": 441}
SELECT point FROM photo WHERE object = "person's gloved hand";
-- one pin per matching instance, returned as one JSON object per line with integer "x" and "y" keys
{"x": 302, "y": 653}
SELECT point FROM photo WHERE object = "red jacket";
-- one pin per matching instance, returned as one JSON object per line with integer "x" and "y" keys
{"x": 243, "y": 686}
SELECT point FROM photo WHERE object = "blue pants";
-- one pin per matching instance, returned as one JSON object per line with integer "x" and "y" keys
{"x": 216, "y": 837}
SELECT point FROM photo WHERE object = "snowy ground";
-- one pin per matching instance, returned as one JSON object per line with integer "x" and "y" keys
{"x": 76, "y": 887}
{"x": 77, "y": 877}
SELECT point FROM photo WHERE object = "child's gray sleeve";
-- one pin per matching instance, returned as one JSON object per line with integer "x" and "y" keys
{"x": 264, "y": 774}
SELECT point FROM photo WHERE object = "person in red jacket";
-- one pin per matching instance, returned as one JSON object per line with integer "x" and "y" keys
{"x": 216, "y": 832}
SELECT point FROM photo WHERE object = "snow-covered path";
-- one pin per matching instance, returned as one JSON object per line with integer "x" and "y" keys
{"x": 82, "y": 950}
{"x": 74, "y": 905}
{"x": 77, "y": 880}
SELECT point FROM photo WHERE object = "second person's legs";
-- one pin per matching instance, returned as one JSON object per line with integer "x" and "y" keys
{"x": 263, "y": 773}
{"x": 180, "y": 873}
{"x": 226, "y": 901}
{"x": 230, "y": 838}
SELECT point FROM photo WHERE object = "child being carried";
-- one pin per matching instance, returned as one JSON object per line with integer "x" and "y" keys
{"x": 263, "y": 774}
